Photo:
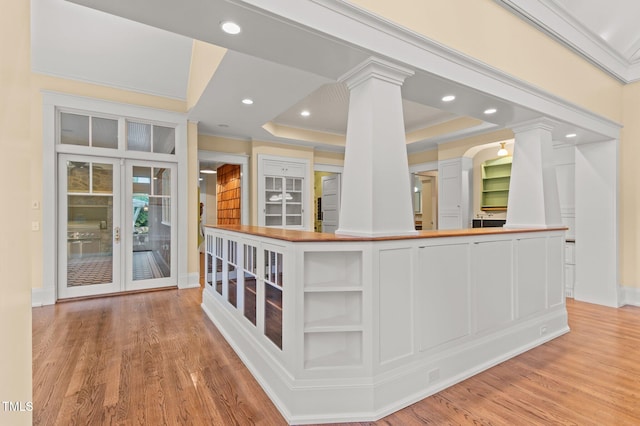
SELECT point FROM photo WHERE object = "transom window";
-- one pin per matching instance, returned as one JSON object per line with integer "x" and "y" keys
{"x": 86, "y": 130}
{"x": 102, "y": 132}
{"x": 150, "y": 138}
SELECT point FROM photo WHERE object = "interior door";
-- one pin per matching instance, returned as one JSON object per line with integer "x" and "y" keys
{"x": 330, "y": 202}
{"x": 89, "y": 229}
{"x": 150, "y": 228}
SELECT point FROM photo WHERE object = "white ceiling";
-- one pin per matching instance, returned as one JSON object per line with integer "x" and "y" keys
{"x": 76, "y": 42}
{"x": 283, "y": 68}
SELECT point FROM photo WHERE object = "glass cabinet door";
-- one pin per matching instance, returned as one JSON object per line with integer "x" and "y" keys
{"x": 283, "y": 202}
{"x": 273, "y": 287}
{"x": 273, "y": 201}
{"x": 293, "y": 202}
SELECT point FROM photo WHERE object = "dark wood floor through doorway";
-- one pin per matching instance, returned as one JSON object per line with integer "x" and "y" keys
{"x": 155, "y": 359}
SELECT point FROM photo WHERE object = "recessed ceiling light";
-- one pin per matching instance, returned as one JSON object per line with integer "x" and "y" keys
{"x": 208, "y": 171}
{"x": 490, "y": 111}
{"x": 570, "y": 135}
{"x": 223, "y": 125}
{"x": 305, "y": 113}
{"x": 230, "y": 27}
{"x": 448, "y": 98}
{"x": 247, "y": 101}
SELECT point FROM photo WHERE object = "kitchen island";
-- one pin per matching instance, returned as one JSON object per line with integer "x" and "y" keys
{"x": 338, "y": 328}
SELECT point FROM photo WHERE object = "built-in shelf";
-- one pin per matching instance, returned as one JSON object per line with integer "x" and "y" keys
{"x": 332, "y": 349}
{"x": 337, "y": 308}
{"x": 332, "y": 309}
{"x": 496, "y": 176}
{"x": 332, "y": 269}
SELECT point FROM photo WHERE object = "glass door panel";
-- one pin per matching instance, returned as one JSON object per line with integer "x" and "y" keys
{"x": 89, "y": 227}
{"x": 273, "y": 201}
{"x": 151, "y": 252}
{"x": 99, "y": 254}
{"x": 283, "y": 202}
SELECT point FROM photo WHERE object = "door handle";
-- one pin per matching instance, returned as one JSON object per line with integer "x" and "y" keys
{"x": 116, "y": 234}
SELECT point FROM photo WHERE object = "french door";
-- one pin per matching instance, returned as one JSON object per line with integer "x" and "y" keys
{"x": 115, "y": 228}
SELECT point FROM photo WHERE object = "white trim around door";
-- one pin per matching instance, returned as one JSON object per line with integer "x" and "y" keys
{"x": 52, "y": 102}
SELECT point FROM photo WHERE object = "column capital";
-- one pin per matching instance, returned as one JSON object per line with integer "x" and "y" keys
{"x": 542, "y": 123}
{"x": 378, "y": 68}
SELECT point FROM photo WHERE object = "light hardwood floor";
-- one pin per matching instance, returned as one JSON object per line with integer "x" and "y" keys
{"x": 155, "y": 359}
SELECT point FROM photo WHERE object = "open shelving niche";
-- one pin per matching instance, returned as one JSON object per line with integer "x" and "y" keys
{"x": 333, "y": 297}
{"x": 496, "y": 176}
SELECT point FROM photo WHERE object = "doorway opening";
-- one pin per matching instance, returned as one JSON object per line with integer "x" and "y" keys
{"x": 425, "y": 200}
{"x": 326, "y": 211}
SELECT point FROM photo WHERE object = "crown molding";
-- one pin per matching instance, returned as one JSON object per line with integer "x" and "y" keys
{"x": 555, "y": 21}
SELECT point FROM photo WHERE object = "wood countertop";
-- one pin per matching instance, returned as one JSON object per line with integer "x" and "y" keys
{"x": 318, "y": 237}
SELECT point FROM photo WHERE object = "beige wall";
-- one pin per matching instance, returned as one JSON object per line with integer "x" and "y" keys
{"x": 193, "y": 211}
{"x": 629, "y": 188}
{"x": 460, "y": 148}
{"x": 211, "y": 213}
{"x": 221, "y": 144}
{"x": 423, "y": 157}
{"x": 205, "y": 59}
{"x": 329, "y": 158}
{"x": 16, "y": 176}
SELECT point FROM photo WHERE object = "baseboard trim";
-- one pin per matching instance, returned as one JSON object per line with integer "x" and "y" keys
{"x": 191, "y": 280}
{"x": 631, "y": 296}
{"x": 42, "y": 297}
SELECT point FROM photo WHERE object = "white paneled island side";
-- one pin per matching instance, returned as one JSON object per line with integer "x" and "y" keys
{"x": 338, "y": 328}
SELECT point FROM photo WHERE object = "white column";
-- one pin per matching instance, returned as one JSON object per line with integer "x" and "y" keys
{"x": 533, "y": 191}
{"x": 376, "y": 189}
{"x": 597, "y": 224}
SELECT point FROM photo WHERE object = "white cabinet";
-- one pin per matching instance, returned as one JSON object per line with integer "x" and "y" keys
{"x": 342, "y": 328}
{"x": 283, "y": 195}
{"x": 283, "y": 201}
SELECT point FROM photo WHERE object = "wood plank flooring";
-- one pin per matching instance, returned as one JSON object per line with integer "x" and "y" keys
{"x": 156, "y": 359}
